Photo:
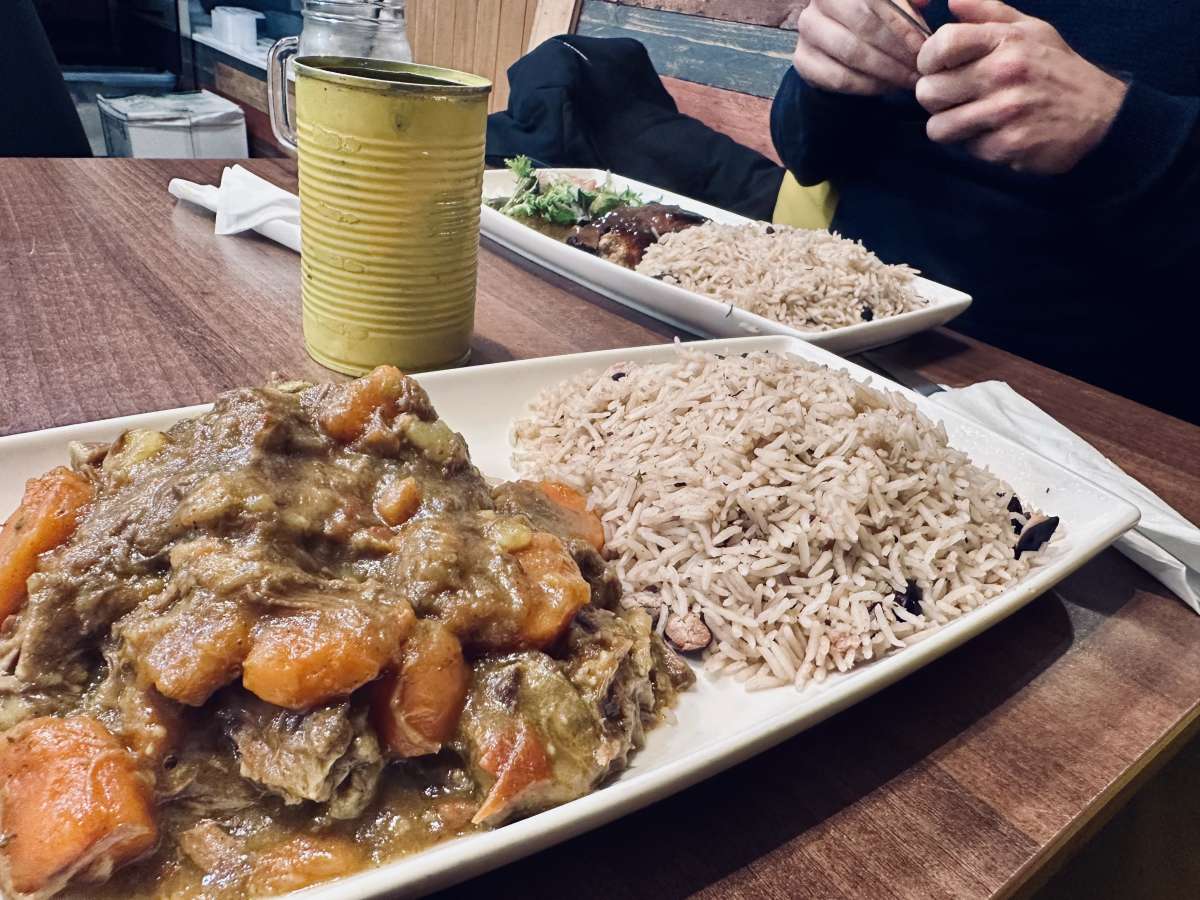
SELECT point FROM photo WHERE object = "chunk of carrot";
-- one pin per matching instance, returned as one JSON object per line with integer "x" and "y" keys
{"x": 399, "y": 502}
{"x": 346, "y": 413}
{"x": 304, "y": 658}
{"x": 196, "y": 653}
{"x": 301, "y": 861}
{"x": 582, "y": 522}
{"x": 554, "y": 589}
{"x": 518, "y": 759}
{"x": 74, "y": 805}
{"x": 47, "y": 517}
{"x": 415, "y": 710}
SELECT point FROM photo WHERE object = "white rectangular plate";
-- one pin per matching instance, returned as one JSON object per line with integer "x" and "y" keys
{"x": 719, "y": 723}
{"x": 697, "y": 313}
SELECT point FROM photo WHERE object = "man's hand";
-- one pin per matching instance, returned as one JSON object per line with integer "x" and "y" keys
{"x": 1008, "y": 86}
{"x": 857, "y": 46}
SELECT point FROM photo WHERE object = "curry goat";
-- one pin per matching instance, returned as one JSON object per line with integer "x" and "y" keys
{"x": 295, "y": 636}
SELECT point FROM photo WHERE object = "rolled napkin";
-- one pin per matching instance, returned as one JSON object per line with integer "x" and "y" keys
{"x": 245, "y": 202}
{"x": 1164, "y": 543}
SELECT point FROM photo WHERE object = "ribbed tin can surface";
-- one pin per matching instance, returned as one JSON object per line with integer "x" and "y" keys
{"x": 391, "y": 175}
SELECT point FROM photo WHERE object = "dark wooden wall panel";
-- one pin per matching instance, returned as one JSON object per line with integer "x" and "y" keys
{"x": 773, "y": 13}
{"x": 744, "y": 118}
{"x": 750, "y": 59}
{"x": 246, "y": 86}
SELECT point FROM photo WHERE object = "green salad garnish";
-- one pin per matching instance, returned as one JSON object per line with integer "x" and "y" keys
{"x": 560, "y": 201}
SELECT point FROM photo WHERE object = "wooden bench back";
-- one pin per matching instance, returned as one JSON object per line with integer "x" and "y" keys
{"x": 720, "y": 59}
{"x": 485, "y": 36}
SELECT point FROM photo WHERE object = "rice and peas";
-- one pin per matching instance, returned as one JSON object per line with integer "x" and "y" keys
{"x": 812, "y": 522}
{"x": 811, "y": 280}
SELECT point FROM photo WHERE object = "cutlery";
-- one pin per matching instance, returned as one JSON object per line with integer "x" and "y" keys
{"x": 890, "y": 362}
{"x": 913, "y": 20}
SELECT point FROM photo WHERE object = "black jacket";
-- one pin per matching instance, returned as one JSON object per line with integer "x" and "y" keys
{"x": 38, "y": 116}
{"x": 1094, "y": 272}
{"x": 598, "y": 103}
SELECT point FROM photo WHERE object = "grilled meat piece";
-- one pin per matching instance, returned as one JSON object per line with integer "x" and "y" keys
{"x": 623, "y": 235}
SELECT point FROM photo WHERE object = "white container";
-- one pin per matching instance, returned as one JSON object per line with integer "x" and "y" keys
{"x": 236, "y": 27}
{"x": 198, "y": 125}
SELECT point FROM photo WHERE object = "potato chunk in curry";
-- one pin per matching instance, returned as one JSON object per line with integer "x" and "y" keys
{"x": 295, "y": 636}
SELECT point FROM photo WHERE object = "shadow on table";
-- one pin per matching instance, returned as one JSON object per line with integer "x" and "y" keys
{"x": 925, "y": 350}
{"x": 1090, "y": 596}
{"x": 714, "y": 829}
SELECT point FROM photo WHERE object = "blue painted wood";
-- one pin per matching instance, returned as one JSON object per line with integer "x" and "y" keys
{"x": 747, "y": 58}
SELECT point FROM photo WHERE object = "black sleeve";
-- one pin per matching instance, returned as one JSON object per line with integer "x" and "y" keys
{"x": 1143, "y": 182}
{"x": 35, "y": 106}
{"x": 1154, "y": 140}
{"x": 818, "y": 133}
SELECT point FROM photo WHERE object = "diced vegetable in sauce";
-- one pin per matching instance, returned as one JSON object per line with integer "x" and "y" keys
{"x": 303, "y": 861}
{"x": 47, "y": 516}
{"x": 581, "y": 522}
{"x": 415, "y": 709}
{"x": 195, "y": 651}
{"x": 301, "y": 659}
{"x": 555, "y": 590}
{"x": 518, "y": 759}
{"x": 399, "y": 502}
{"x": 74, "y": 804}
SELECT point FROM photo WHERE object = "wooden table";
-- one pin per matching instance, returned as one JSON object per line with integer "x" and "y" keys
{"x": 965, "y": 780}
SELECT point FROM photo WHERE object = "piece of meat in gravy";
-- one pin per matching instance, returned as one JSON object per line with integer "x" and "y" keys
{"x": 202, "y": 778}
{"x": 148, "y": 723}
{"x": 493, "y": 581}
{"x": 582, "y": 531}
{"x": 221, "y": 857}
{"x": 607, "y": 657}
{"x": 623, "y": 235}
{"x": 529, "y": 737}
{"x": 328, "y": 755}
{"x": 119, "y": 553}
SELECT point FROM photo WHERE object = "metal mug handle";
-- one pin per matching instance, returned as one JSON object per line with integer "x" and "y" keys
{"x": 277, "y": 90}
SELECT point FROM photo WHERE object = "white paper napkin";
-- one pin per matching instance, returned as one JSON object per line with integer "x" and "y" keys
{"x": 245, "y": 202}
{"x": 1164, "y": 543}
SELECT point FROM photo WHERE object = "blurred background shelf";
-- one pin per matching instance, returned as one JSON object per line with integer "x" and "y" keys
{"x": 720, "y": 59}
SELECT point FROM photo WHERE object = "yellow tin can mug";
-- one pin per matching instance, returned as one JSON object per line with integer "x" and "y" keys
{"x": 391, "y": 179}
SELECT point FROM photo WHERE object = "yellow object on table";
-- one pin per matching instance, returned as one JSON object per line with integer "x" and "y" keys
{"x": 805, "y": 207}
{"x": 391, "y": 178}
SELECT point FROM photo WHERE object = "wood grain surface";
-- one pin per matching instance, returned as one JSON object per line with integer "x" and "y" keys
{"x": 750, "y": 59}
{"x": 965, "y": 780}
{"x": 744, "y": 117}
{"x": 551, "y": 18}
{"x": 773, "y": 13}
{"x": 480, "y": 36}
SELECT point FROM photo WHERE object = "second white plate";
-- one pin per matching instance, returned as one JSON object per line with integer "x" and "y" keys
{"x": 686, "y": 309}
